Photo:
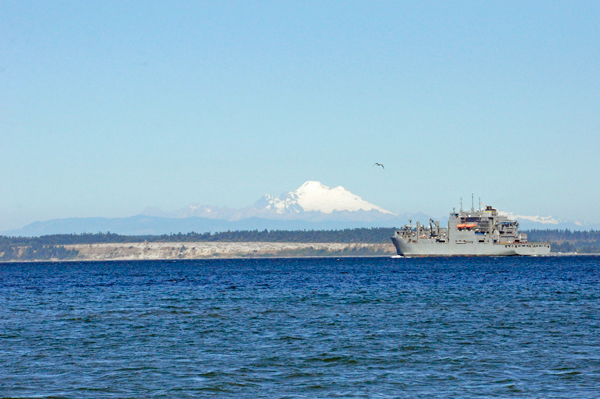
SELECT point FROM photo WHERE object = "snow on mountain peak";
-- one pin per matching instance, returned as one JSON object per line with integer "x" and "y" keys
{"x": 313, "y": 196}
{"x": 536, "y": 219}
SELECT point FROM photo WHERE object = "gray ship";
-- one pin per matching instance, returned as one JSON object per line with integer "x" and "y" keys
{"x": 481, "y": 232}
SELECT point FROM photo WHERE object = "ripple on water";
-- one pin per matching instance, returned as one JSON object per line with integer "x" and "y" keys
{"x": 302, "y": 328}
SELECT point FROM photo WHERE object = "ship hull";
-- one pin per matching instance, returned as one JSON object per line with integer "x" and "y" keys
{"x": 433, "y": 248}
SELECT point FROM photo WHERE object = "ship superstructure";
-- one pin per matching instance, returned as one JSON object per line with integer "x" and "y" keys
{"x": 475, "y": 232}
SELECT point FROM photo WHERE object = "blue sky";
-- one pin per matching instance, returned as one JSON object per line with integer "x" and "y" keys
{"x": 107, "y": 108}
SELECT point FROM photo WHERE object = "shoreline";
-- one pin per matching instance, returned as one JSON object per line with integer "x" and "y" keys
{"x": 208, "y": 250}
{"x": 224, "y": 250}
{"x": 215, "y": 250}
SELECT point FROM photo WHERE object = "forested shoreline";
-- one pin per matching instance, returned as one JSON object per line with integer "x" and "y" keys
{"x": 362, "y": 235}
{"x": 584, "y": 242}
{"x": 53, "y": 246}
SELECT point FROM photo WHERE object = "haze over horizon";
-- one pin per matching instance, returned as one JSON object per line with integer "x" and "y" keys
{"x": 110, "y": 108}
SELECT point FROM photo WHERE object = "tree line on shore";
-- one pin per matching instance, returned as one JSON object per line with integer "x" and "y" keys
{"x": 358, "y": 235}
{"x": 52, "y": 246}
{"x": 584, "y": 241}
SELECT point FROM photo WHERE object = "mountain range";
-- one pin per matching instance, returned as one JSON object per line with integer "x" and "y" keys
{"x": 312, "y": 202}
{"x": 312, "y": 206}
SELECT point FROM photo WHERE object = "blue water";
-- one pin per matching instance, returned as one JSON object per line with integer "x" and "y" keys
{"x": 302, "y": 328}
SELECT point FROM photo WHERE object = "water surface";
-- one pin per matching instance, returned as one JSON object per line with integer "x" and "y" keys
{"x": 302, "y": 328}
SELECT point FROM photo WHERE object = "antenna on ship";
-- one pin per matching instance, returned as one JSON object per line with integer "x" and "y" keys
{"x": 461, "y": 204}
{"x": 479, "y": 204}
{"x": 472, "y": 203}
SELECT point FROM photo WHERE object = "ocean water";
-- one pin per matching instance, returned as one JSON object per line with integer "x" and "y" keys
{"x": 302, "y": 328}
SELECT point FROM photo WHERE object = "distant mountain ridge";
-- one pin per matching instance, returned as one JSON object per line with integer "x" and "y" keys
{"x": 153, "y": 225}
{"x": 313, "y": 206}
{"x": 313, "y": 201}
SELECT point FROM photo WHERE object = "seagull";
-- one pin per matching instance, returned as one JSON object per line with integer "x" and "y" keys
{"x": 378, "y": 164}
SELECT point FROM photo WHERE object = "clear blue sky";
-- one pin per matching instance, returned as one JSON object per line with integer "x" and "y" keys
{"x": 110, "y": 107}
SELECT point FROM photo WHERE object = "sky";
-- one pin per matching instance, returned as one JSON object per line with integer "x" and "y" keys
{"x": 107, "y": 108}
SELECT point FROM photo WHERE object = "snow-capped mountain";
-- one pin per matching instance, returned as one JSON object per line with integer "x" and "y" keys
{"x": 313, "y": 196}
{"x": 312, "y": 206}
{"x": 535, "y": 219}
{"x": 547, "y": 222}
{"x": 312, "y": 201}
